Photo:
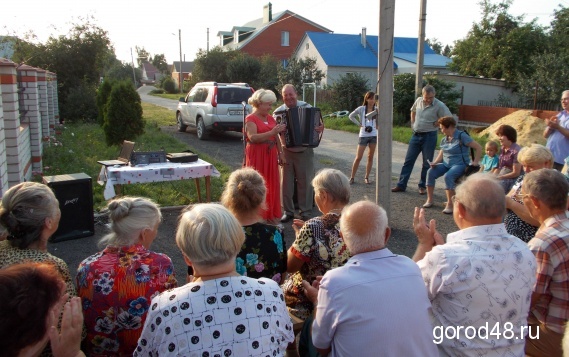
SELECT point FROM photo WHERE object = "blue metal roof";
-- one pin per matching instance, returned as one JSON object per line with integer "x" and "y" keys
{"x": 342, "y": 50}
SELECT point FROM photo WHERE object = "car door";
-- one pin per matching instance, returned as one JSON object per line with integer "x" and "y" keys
{"x": 185, "y": 108}
{"x": 198, "y": 105}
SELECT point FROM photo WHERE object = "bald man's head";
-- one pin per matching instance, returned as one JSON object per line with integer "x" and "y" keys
{"x": 364, "y": 227}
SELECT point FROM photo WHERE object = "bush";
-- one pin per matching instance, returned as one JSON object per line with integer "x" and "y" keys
{"x": 169, "y": 85}
{"x": 103, "y": 93}
{"x": 404, "y": 95}
{"x": 349, "y": 91}
{"x": 80, "y": 105}
{"x": 123, "y": 120}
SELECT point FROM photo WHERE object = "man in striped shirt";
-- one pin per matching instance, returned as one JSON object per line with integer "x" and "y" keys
{"x": 545, "y": 195}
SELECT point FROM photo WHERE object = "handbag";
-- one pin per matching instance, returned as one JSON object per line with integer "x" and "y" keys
{"x": 470, "y": 169}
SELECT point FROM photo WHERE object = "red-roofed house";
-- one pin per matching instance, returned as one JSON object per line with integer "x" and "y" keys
{"x": 277, "y": 36}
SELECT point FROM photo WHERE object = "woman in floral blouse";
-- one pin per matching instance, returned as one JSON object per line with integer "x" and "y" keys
{"x": 263, "y": 255}
{"x": 318, "y": 246}
{"x": 117, "y": 284}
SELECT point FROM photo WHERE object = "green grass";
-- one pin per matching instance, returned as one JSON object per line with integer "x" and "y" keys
{"x": 79, "y": 146}
{"x": 175, "y": 96}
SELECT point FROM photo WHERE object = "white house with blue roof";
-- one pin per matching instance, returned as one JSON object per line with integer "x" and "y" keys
{"x": 339, "y": 54}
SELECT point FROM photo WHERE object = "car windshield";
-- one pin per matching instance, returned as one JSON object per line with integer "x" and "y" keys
{"x": 233, "y": 95}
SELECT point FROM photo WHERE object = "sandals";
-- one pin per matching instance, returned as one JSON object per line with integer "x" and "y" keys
{"x": 351, "y": 180}
{"x": 366, "y": 180}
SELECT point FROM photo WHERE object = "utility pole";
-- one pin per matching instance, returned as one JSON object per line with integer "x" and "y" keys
{"x": 133, "y": 73}
{"x": 180, "y": 74}
{"x": 207, "y": 48}
{"x": 421, "y": 48}
{"x": 385, "y": 110}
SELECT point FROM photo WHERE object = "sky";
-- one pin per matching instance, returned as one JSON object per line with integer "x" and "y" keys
{"x": 154, "y": 25}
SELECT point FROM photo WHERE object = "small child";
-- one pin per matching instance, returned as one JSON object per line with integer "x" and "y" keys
{"x": 490, "y": 160}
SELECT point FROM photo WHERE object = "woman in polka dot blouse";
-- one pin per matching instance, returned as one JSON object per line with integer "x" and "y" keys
{"x": 219, "y": 313}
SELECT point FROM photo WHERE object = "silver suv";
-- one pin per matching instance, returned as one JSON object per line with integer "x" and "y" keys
{"x": 212, "y": 106}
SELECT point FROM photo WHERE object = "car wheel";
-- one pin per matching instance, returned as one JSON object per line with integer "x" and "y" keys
{"x": 201, "y": 130}
{"x": 181, "y": 126}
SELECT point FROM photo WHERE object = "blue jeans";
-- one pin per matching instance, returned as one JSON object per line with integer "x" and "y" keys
{"x": 451, "y": 174}
{"x": 420, "y": 143}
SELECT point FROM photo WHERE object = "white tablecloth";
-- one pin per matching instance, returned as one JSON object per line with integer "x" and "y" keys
{"x": 170, "y": 171}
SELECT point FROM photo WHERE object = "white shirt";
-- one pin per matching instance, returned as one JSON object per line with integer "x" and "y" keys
{"x": 374, "y": 305}
{"x": 364, "y": 121}
{"x": 237, "y": 316}
{"x": 481, "y": 275}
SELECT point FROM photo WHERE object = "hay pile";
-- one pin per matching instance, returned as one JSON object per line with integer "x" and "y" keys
{"x": 529, "y": 128}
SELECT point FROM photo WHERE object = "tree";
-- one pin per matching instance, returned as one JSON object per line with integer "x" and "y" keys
{"x": 123, "y": 120}
{"x": 300, "y": 71}
{"x": 447, "y": 52}
{"x": 159, "y": 61}
{"x": 348, "y": 91}
{"x": 103, "y": 94}
{"x": 500, "y": 46}
{"x": 212, "y": 65}
{"x": 142, "y": 55}
{"x": 268, "y": 74}
{"x": 550, "y": 74}
{"x": 436, "y": 45}
{"x": 243, "y": 68}
{"x": 404, "y": 95}
{"x": 121, "y": 71}
{"x": 78, "y": 58}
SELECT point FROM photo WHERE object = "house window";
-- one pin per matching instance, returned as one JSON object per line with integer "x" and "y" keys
{"x": 307, "y": 46}
{"x": 285, "y": 63}
{"x": 284, "y": 38}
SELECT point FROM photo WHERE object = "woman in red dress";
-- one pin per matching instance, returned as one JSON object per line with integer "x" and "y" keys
{"x": 263, "y": 151}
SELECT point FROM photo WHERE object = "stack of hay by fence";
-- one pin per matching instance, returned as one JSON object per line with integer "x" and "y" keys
{"x": 529, "y": 128}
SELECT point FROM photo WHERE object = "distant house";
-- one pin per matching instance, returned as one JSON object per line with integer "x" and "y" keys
{"x": 339, "y": 54}
{"x": 150, "y": 74}
{"x": 187, "y": 68}
{"x": 276, "y": 35}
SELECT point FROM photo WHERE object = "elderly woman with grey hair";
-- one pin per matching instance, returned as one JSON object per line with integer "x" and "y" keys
{"x": 263, "y": 151}
{"x": 117, "y": 284}
{"x": 219, "y": 312}
{"x": 29, "y": 215}
{"x": 318, "y": 246}
{"x": 518, "y": 221}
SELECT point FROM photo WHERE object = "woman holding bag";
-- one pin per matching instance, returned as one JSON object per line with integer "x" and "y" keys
{"x": 451, "y": 161}
{"x": 367, "y": 122}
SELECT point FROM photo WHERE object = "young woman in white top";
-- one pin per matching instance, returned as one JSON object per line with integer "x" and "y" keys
{"x": 367, "y": 120}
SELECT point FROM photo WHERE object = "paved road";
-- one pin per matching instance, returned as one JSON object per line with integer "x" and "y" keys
{"x": 335, "y": 145}
{"x": 336, "y": 150}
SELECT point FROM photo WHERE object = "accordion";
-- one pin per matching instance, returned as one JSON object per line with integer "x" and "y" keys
{"x": 301, "y": 124}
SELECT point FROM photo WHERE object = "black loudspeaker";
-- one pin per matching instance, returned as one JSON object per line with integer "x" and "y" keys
{"x": 75, "y": 195}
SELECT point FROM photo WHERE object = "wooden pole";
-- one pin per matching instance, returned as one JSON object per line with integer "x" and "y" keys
{"x": 385, "y": 119}
{"x": 420, "y": 48}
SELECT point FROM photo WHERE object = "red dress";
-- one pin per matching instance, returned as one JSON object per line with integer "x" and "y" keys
{"x": 263, "y": 157}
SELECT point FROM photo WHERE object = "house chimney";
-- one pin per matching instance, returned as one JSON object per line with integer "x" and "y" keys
{"x": 267, "y": 13}
{"x": 364, "y": 39}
